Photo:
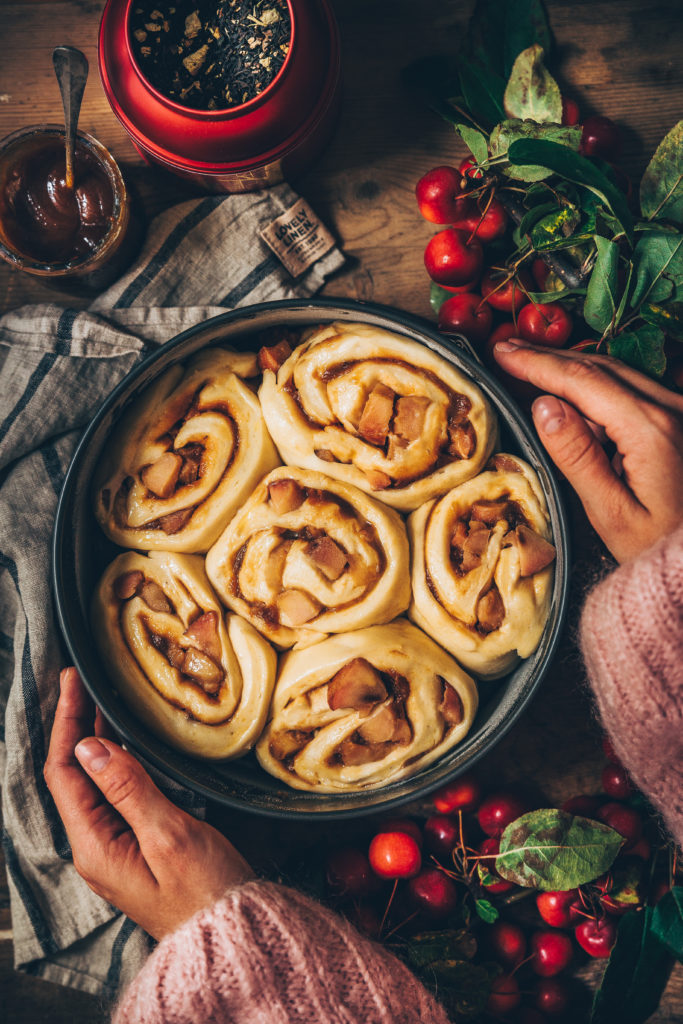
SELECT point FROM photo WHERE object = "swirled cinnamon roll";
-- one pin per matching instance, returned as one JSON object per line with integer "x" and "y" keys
{"x": 379, "y": 411}
{"x": 200, "y": 680}
{"x": 185, "y": 456}
{"x": 364, "y": 709}
{"x": 308, "y": 555}
{"x": 482, "y": 567}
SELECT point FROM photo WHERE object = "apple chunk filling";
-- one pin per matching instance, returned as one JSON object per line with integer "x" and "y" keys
{"x": 376, "y": 415}
{"x": 411, "y": 412}
{"x": 272, "y": 358}
{"x": 355, "y": 685}
{"x": 327, "y": 556}
{"x": 203, "y": 634}
{"x": 161, "y": 477}
{"x": 296, "y": 608}
{"x": 535, "y": 552}
{"x": 490, "y": 611}
{"x": 285, "y": 495}
{"x": 128, "y": 584}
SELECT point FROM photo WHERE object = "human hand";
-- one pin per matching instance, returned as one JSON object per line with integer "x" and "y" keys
{"x": 637, "y": 497}
{"x": 131, "y": 845}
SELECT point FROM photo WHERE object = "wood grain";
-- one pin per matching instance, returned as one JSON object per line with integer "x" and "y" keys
{"x": 619, "y": 59}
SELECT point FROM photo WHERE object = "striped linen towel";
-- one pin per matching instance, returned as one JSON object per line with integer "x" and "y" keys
{"x": 56, "y": 367}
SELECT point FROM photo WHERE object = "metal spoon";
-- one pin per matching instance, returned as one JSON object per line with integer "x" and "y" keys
{"x": 71, "y": 69}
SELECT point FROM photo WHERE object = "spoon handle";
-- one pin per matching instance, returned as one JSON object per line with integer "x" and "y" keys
{"x": 71, "y": 69}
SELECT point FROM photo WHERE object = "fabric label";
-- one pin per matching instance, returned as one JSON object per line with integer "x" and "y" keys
{"x": 298, "y": 238}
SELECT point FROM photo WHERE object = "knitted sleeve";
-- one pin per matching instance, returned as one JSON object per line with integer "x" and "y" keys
{"x": 269, "y": 954}
{"x": 632, "y": 643}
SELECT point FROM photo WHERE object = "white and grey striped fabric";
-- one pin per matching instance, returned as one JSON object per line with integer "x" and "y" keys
{"x": 57, "y": 365}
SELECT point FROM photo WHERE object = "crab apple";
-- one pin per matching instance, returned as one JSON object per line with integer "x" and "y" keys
{"x": 600, "y": 137}
{"x": 349, "y": 872}
{"x": 433, "y": 892}
{"x": 468, "y": 169}
{"x": 622, "y": 819}
{"x": 498, "y": 810}
{"x": 596, "y": 937}
{"x": 488, "y": 851}
{"x": 407, "y": 825}
{"x": 507, "y": 943}
{"x": 555, "y": 907}
{"x": 549, "y": 324}
{"x": 442, "y": 834}
{"x": 439, "y": 195}
{"x": 451, "y": 259}
{"x": 487, "y": 224}
{"x": 616, "y": 783}
{"x": 583, "y": 806}
{"x": 462, "y": 794}
{"x": 460, "y": 289}
{"x": 614, "y": 906}
{"x": 551, "y": 952}
{"x": 394, "y": 855}
{"x": 570, "y": 111}
{"x": 467, "y": 313}
{"x": 608, "y": 750}
{"x": 505, "y": 995}
{"x": 504, "y": 293}
{"x": 552, "y": 996}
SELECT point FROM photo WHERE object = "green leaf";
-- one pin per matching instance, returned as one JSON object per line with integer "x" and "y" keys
{"x": 668, "y": 317}
{"x": 532, "y": 92}
{"x": 661, "y": 187}
{"x": 667, "y": 921}
{"x": 658, "y": 259}
{"x": 526, "y": 24}
{"x": 486, "y": 911}
{"x": 533, "y": 216}
{"x": 562, "y": 160}
{"x": 447, "y": 944}
{"x": 509, "y": 132}
{"x": 556, "y": 230}
{"x": 642, "y": 348}
{"x": 550, "y": 849}
{"x": 437, "y": 296}
{"x": 600, "y": 307}
{"x": 540, "y": 298}
{"x": 636, "y": 974}
{"x": 475, "y": 142}
{"x": 482, "y": 91}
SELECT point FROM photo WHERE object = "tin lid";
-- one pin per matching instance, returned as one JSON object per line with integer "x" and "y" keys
{"x": 259, "y": 131}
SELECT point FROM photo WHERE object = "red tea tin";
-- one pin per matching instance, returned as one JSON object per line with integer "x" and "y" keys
{"x": 271, "y": 138}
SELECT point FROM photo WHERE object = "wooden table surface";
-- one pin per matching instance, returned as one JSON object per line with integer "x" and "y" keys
{"x": 618, "y": 58}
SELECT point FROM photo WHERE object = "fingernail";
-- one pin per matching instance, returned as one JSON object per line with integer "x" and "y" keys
{"x": 505, "y": 346}
{"x": 92, "y": 754}
{"x": 549, "y": 414}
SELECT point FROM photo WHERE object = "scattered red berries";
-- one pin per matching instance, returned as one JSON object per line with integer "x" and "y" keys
{"x": 441, "y": 834}
{"x": 505, "y": 995}
{"x": 505, "y": 293}
{"x": 600, "y": 137}
{"x": 467, "y": 314}
{"x": 624, "y": 820}
{"x": 394, "y": 855}
{"x": 551, "y": 952}
{"x": 556, "y": 908}
{"x": 433, "y": 892}
{"x": 453, "y": 259}
{"x": 596, "y": 937}
{"x": 507, "y": 943}
{"x": 349, "y": 872}
{"x": 498, "y": 810}
{"x": 545, "y": 324}
{"x": 463, "y": 794}
{"x": 439, "y": 195}
{"x": 552, "y": 996}
{"x": 616, "y": 783}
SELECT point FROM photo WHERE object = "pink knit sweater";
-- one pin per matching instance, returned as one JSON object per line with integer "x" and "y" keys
{"x": 269, "y": 955}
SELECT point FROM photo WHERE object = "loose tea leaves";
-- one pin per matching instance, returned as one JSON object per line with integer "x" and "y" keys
{"x": 210, "y": 56}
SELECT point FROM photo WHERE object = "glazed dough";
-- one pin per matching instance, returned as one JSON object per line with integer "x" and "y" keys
{"x": 204, "y": 421}
{"x": 306, "y": 742}
{"x": 216, "y": 706}
{"x": 446, "y": 598}
{"x": 270, "y": 550}
{"x": 317, "y": 408}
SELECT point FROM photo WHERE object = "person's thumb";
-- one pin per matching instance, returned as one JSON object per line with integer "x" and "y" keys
{"x": 125, "y": 785}
{"x": 578, "y": 454}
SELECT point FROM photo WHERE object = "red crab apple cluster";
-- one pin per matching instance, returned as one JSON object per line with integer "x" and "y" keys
{"x": 413, "y": 876}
